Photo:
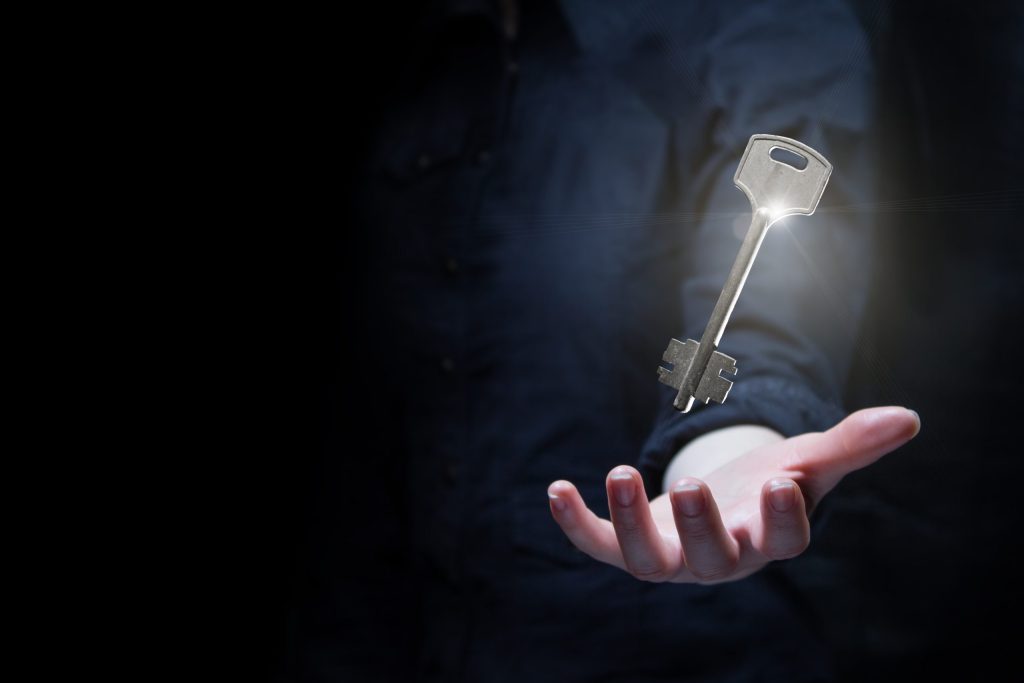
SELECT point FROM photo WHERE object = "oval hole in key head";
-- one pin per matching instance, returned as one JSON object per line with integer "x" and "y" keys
{"x": 788, "y": 157}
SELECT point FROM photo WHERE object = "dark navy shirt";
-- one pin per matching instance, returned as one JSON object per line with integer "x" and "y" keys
{"x": 549, "y": 201}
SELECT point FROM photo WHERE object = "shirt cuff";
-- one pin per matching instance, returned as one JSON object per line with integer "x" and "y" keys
{"x": 786, "y": 406}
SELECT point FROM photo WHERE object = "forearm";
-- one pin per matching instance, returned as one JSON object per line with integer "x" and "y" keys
{"x": 711, "y": 451}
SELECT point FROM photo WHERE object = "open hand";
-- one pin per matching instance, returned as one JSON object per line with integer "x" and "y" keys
{"x": 735, "y": 519}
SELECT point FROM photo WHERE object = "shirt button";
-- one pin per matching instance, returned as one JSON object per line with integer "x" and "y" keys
{"x": 483, "y": 158}
{"x": 451, "y": 265}
{"x": 447, "y": 364}
{"x": 424, "y": 162}
{"x": 451, "y": 472}
{"x": 513, "y": 68}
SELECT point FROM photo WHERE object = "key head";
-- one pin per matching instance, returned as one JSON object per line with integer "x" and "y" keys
{"x": 772, "y": 184}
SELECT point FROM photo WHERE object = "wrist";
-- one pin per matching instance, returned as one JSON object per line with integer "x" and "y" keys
{"x": 711, "y": 451}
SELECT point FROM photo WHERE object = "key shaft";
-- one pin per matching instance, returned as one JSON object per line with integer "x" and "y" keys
{"x": 723, "y": 307}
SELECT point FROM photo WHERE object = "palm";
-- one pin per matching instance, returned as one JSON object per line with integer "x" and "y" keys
{"x": 736, "y": 487}
{"x": 739, "y": 515}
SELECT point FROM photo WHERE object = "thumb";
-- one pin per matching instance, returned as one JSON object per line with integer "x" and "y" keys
{"x": 856, "y": 442}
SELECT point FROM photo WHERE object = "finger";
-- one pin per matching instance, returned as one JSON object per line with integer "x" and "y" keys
{"x": 711, "y": 553}
{"x": 587, "y": 531}
{"x": 644, "y": 550}
{"x": 856, "y": 442}
{"x": 861, "y": 439}
{"x": 784, "y": 531}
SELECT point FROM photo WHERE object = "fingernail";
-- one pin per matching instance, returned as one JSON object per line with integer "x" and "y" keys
{"x": 690, "y": 499}
{"x": 918, "y": 420}
{"x": 557, "y": 502}
{"x": 623, "y": 487}
{"x": 782, "y": 495}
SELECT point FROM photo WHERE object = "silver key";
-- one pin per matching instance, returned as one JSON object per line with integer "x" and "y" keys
{"x": 771, "y": 176}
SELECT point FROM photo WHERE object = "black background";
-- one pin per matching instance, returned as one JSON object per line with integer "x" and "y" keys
{"x": 925, "y": 543}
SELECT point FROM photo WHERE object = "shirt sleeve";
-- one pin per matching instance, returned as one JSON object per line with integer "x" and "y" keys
{"x": 794, "y": 329}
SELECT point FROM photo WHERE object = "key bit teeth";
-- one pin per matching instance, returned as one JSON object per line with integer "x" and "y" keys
{"x": 714, "y": 387}
{"x": 717, "y": 392}
{"x": 677, "y": 353}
